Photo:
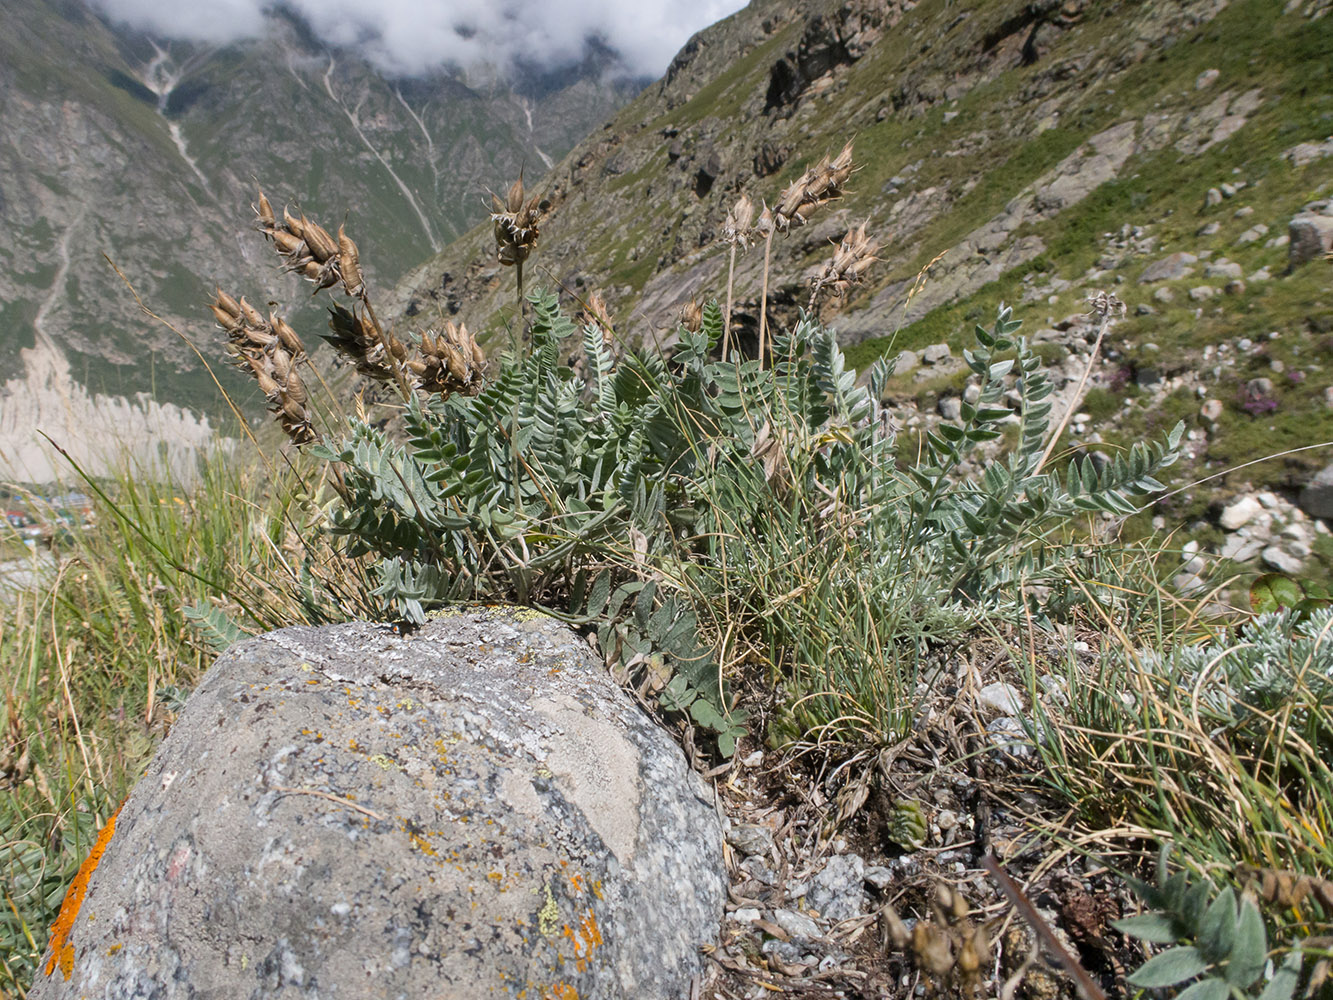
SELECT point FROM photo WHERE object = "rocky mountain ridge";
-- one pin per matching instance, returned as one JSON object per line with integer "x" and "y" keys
{"x": 120, "y": 147}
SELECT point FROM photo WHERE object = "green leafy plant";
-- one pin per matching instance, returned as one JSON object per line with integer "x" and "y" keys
{"x": 1227, "y": 947}
{"x": 1274, "y": 591}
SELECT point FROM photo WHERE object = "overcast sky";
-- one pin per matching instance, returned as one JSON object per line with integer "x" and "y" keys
{"x": 408, "y": 37}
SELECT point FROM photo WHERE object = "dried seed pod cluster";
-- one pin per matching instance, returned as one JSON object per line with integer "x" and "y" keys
{"x": 817, "y": 186}
{"x": 950, "y": 950}
{"x": 354, "y": 334}
{"x": 269, "y": 349}
{"x": 448, "y": 361}
{"x": 738, "y": 227}
{"x": 308, "y": 249}
{"x": 692, "y": 315}
{"x": 515, "y": 224}
{"x": 850, "y": 261}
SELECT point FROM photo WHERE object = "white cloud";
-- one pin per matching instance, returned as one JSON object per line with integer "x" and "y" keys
{"x": 409, "y": 37}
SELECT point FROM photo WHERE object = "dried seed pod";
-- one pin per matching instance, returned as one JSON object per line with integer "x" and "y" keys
{"x": 282, "y": 362}
{"x": 286, "y": 335}
{"x": 225, "y": 301}
{"x": 264, "y": 212}
{"x": 322, "y": 245}
{"x": 225, "y": 319}
{"x": 692, "y": 316}
{"x": 288, "y": 243}
{"x": 253, "y": 317}
{"x": 294, "y": 226}
{"x": 349, "y": 262}
{"x": 296, "y": 387}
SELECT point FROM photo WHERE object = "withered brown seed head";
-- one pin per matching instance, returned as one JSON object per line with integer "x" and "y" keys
{"x": 264, "y": 212}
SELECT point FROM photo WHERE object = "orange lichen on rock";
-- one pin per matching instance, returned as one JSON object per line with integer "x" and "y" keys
{"x": 585, "y": 940}
{"x": 61, "y": 951}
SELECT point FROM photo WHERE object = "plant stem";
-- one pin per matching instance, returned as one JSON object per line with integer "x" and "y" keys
{"x": 763, "y": 302}
{"x": 399, "y": 376}
{"x": 517, "y": 333}
{"x": 726, "y": 325}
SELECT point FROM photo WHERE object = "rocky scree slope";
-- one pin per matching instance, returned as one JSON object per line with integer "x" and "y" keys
{"x": 113, "y": 141}
{"x": 1046, "y": 150}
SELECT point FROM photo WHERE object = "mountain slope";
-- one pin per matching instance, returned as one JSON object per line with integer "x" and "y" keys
{"x": 114, "y": 142}
{"x": 1027, "y": 151}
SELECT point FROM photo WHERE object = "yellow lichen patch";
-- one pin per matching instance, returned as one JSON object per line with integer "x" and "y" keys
{"x": 388, "y": 763}
{"x": 423, "y": 845}
{"x": 353, "y": 745}
{"x": 113, "y": 949}
{"x": 548, "y": 914}
{"x": 62, "y": 951}
{"x": 597, "y": 889}
{"x": 561, "y": 991}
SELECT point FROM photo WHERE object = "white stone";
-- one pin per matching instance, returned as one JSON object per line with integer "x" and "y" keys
{"x": 1001, "y": 697}
{"x": 1280, "y": 560}
{"x": 1238, "y": 513}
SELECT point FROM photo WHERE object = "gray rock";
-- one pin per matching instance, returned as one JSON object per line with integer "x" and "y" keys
{"x": 1260, "y": 275}
{"x": 1244, "y": 212}
{"x": 1239, "y": 513}
{"x": 907, "y": 361}
{"x": 745, "y": 915}
{"x": 787, "y": 952}
{"x": 1202, "y": 293}
{"x": 1252, "y": 235}
{"x": 1317, "y": 497}
{"x": 346, "y": 812}
{"x": 1240, "y": 549}
{"x": 1275, "y": 558}
{"x": 1001, "y": 697}
{"x": 1206, "y": 79}
{"x": 936, "y": 353}
{"x": 1236, "y": 287}
{"x": 1164, "y": 295}
{"x": 1211, "y": 410}
{"x": 1170, "y": 268}
{"x": 1231, "y": 190}
{"x": 1310, "y": 236}
{"x": 950, "y": 408}
{"x": 798, "y": 925}
{"x": 1223, "y": 268}
{"x": 1213, "y": 198}
{"x": 1307, "y": 152}
{"x": 838, "y": 890}
{"x": 879, "y": 876}
{"x": 750, "y": 838}
{"x": 1209, "y": 228}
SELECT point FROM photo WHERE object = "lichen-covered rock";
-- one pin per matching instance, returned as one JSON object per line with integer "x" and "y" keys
{"x": 473, "y": 810}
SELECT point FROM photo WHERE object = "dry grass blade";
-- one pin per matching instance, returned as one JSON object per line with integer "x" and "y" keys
{"x": 1089, "y": 989}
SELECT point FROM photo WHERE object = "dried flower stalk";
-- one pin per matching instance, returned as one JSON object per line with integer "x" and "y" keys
{"x": 308, "y": 249}
{"x": 269, "y": 350}
{"x": 737, "y": 231}
{"x": 448, "y": 361}
{"x": 800, "y": 200}
{"x": 850, "y": 261}
{"x": 516, "y": 229}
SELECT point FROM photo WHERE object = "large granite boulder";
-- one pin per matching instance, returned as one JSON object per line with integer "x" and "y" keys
{"x": 472, "y": 810}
